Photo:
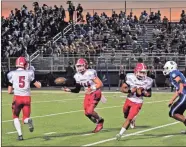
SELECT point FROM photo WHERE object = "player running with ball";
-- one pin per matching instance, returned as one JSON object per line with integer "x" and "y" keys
{"x": 19, "y": 81}
{"x": 179, "y": 82}
{"x": 137, "y": 85}
{"x": 88, "y": 79}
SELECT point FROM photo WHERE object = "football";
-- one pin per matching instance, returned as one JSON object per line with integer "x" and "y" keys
{"x": 139, "y": 91}
{"x": 60, "y": 80}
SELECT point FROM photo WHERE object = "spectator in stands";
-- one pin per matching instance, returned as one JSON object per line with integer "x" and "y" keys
{"x": 151, "y": 46}
{"x": 62, "y": 13}
{"x": 143, "y": 17}
{"x": 121, "y": 76}
{"x": 113, "y": 55}
{"x": 183, "y": 17}
{"x": 115, "y": 42}
{"x": 88, "y": 17}
{"x": 156, "y": 31}
{"x": 79, "y": 10}
{"x": 105, "y": 41}
{"x": 152, "y": 74}
{"x": 165, "y": 21}
{"x": 71, "y": 10}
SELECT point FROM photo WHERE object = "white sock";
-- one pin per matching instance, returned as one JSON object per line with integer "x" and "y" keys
{"x": 17, "y": 126}
{"x": 122, "y": 131}
{"x": 134, "y": 118}
{"x": 26, "y": 120}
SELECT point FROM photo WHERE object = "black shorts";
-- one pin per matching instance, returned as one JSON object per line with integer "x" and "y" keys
{"x": 122, "y": 77}
{"x": 179, "y": 106}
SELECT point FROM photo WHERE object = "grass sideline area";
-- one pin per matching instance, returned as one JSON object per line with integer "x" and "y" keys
{"x": 59, "y": 121}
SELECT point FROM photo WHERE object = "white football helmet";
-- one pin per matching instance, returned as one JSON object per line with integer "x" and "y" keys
{"x": 169, "y": 67}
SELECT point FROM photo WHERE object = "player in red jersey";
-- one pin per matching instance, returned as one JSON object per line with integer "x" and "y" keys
{"x": 137, "y": 85}
{"x": 88, "y": 79}
{"x": 19, "y": 84}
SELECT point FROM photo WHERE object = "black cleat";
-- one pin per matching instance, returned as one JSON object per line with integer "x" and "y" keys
{"x": 20, "y": 138}
{"x": 30, "y": 125}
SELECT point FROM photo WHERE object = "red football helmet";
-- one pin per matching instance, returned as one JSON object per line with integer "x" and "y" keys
{"x": 81, "y": 65}
{"x": 140, "y": 71}
{"x": 21, "y": 62}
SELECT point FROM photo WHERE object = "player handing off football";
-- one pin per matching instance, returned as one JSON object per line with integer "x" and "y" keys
{"x": 19, "y": 81}
{"x": 137, "y": 85}
{"x": 178, "y": 80}
{"x": 88, "y": 79}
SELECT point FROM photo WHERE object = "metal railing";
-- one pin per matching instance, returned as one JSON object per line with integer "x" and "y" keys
{"x": 56, "y": 64}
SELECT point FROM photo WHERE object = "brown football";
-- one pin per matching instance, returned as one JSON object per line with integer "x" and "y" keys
{"x": 139, "y": 91}
{"x": 60, "y": 80}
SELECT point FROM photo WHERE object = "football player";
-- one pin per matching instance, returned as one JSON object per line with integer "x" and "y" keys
{"x": 137, "y": 85}
{"x": 88, "y": 79}
{"x": 19, "y": 81}
{"x": 178, "y": 80}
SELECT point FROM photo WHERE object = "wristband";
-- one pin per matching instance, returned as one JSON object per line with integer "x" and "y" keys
{"x": 129, "y": 91}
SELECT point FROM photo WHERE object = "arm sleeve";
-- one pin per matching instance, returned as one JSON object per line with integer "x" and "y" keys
{"x": 92, "y": 74}
{"x": 76, "y": 89}
{"x": 9, "y": 76}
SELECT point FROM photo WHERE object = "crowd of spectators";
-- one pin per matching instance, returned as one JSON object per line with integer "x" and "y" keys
{"x": 26, "y": 31}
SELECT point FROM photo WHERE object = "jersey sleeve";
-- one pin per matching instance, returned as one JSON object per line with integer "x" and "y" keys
{"x": 10, "y": 77}
{"x": 129, "y": 79}
{"x": 76, "y": 77}
{"x": 92, "y": 74}
{"x": 174, "y": 74}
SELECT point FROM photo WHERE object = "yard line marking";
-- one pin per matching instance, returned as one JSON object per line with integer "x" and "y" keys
{"x": 11, "y": 132}
{"x": 139, "y": 134}
{"x": 131, "y": 134}
{"x": 88, "y": 134}
{"x": 64, "y": 100}
{"x": 69, "y": 112}
{"x": 168, "y": 136}
{"x": 49, "y": 133}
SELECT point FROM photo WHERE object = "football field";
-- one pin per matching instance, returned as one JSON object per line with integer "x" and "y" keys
{"x": 59, "y": 121}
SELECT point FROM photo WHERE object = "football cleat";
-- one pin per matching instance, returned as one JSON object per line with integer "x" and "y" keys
{"x": 20, "y": 138}
{"x": 183, "y": 132}
{"x": 118, "y": 137}
{"x": 132, "y": 124}
{"x": 30, "y": 125}
{"x": 99, "y": 126}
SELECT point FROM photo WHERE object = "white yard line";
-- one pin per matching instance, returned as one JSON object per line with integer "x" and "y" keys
{"x": 69, "y": 112}
{"x": 131, "y": 134}
{"x": 49, "y": 133}
{"x": 88, "y": 134}
{"x": 11, "y": 132}
{"x": 168, "y": 136}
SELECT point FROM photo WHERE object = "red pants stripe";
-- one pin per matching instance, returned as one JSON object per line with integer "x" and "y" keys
{"x": 21, "y": 103}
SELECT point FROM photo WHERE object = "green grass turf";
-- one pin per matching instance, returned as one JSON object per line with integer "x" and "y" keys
{"x": 71, "y": 125}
